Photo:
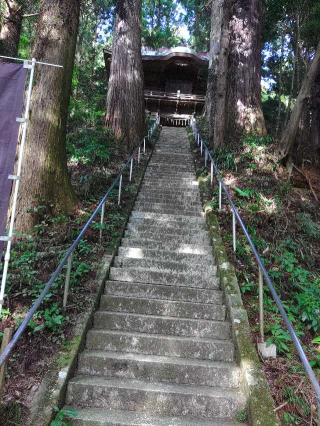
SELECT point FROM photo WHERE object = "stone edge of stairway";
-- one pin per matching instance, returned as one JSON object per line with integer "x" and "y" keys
{"x": 260, "y": 404}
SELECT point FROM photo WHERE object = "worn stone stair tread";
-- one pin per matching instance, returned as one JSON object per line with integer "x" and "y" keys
{"x": 163, "y": 292}
{"x": 156, "y": 398}
{"x": 166, "y": 217}
{"x": 157, "y": 324}
{"x": 155, "y": 277}
{"x": 137, "y": 252}
{"x": 167, "y": 246}
{"x": 174, "y": 308}
{"x": 159, "y": 368}
{"x": 106, "y": 417}
{"x": 156, "y": 235}
{"x": 204, "y": 267}
{"x": 163, "y": 345}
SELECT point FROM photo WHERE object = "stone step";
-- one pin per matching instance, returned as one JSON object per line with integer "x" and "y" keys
{"x": 167, "y": 217}
{"x": 169, "y": 278}
{"x": 178, "y": 247}
{"x": 158, "y": 195}
{"x": 106, "y": 417}
{"x": 205, "y": 268}
{"x": 163, "y": 292}
{"x": 156, "y": 235}
{"x": 151, "y": 199}
{"x": 186, "y": 254}
{"x": 166, "y": 228}
{"x": 159, "y": 369}
{"x": 154, "y": 398}
{"x": 163, "y": 208}
{"x": 160, "y": 345}
{"x": 153, "y": 324}
{"x": 160, "y": 307}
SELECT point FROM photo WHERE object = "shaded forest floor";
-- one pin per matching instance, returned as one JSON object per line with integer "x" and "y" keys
{"x": 282, "y": 214}
{"x": 94, "y": 161}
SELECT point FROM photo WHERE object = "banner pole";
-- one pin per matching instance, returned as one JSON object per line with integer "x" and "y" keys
{"x": 16, "y": 178}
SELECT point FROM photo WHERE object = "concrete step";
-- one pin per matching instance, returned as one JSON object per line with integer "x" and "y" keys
{"x": 159, "y": 369}
{"x": 168, "y": 228}
{"x": 205, "y": 268}
{"x": 167, "y": 217}
{"x": 106, "y": 417}
{"x": 169, "y": 278}
{"x": 160, "y": 307}
{"x": 162, "y": 208}
{"x": 154, "y": 398}
{"x": 174, "y": 246}
{"x": 160, "y": 345}
{"x": 157, "y": 235}
{"x": 171, "y": 203}
{"x": 187, "y": 254}
{"x": 158, "y": 196}
{"x": 170, "y": 326}
{"x": 163, "y": 292}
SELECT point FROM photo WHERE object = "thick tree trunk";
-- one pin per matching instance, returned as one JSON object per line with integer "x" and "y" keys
{"x": 125, "y": 102}
{"x": 45, "y": 179}
{"x": 244, "y": 78}
{"x": 11, "y": 28}
{"x": 218, "y": 72}
{"x": 291, "y": 130}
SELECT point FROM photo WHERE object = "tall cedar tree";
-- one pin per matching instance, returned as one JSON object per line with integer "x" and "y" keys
{"x": 45, "y": 179}
{"x": 11, "y": 27}
{"x": 125, "y": 103}
{"x": 308, "y": 94}
{"x": 234, "y": 86}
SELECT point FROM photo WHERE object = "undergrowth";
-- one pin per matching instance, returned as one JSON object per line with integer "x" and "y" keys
{"x": 284, "y": 224}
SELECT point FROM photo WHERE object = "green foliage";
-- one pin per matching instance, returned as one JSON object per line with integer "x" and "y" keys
{"x": 245, "y": 192}
{"x": 242, "y": 416}
{"x": 62, "y": 416}
{"x": 308, "y": 305}
{"x": 255, "y": 141}
{"x": 280, "y": 337}
{"x": 225, "y": 159}
{"x": 308, "y": 226}
{"x": 89, "y": 146}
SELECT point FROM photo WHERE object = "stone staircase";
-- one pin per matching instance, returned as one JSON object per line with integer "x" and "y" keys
{"x": 160, "y": 352}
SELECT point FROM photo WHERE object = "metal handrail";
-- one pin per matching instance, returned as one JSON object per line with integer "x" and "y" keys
{"x": 8, "y": 349}
{"x": 236, "y": 216}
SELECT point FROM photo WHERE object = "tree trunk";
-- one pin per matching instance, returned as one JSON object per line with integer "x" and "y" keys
{"x": 45, "y": 179}
{"x": 11, "y": 28}
{"x": 244, "y": 78}
{"x": 125, "y": 102}
{"x": 291, "y": 130}
{"x": 218, "y": 72}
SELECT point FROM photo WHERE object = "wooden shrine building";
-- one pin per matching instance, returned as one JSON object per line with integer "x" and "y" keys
{"x": 175, "y": 83}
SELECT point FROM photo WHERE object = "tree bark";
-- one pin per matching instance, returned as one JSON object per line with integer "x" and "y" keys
{"x": 125, "y": 102}
{"x": 11, "y": 28}
{"x": 244, "y": 80}
{"x": 290, "y": 132}
{"x": 45, "y": 179}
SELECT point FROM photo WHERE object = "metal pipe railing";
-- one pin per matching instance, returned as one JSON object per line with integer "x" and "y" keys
{"x": 263, "y": 273}
{"x": 67, "y": 258}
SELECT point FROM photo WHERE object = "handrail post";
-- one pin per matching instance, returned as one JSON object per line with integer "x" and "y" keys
{"x": 144, "y": 145}
{"x": 234, "y": 231}
{"x": 67, "y": 281}
{"x": 102, "y": 220}
{"x": 205, "y": 157}
{"x": 261, "y": 313}
{"x": 220, "y": 196}
{"x": 211, "y": 173}
{"x": 120, "y": 188}
{"x": 139, "y": 150}
{"x": 201, "y": 146}
{"x": 131, "y": 169}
